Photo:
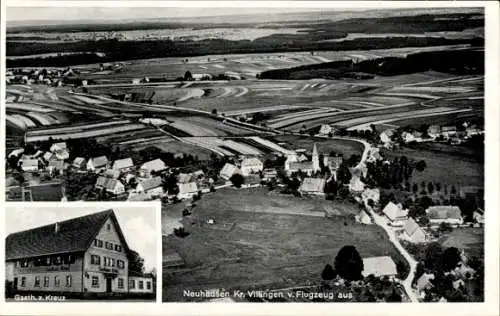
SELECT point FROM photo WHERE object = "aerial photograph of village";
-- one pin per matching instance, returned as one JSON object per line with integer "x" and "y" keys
{"x": 299, "y": 155}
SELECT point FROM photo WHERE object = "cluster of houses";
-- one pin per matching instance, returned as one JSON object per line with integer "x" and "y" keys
{"x": 296, "y": 162}
{"x": 434, "y": 133}
{"x": 52, "y": 77}
{"x": 52, "y": 161}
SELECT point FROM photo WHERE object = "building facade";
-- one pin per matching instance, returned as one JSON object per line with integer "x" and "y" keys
{"x": 84, "y": 255}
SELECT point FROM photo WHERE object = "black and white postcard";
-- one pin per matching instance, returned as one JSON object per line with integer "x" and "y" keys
{"x": 300, "y": 152}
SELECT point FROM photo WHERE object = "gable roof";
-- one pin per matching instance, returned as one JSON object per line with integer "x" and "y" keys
{"x": 28, "y": 162}
{"x": 107, "y": 183}
{"x": 78, "y": 160}
{"x": 75, "y": 235}
{"x": 151, "y": 183}
{"x": 123, "y": 163}
{"x": 302, "y": 166}
{"x": 154, "y": 165}
{"x": 444, "y": 212}
{"x": 247, "y": 162}
{"x": 379, "y": 266}
{"x": 98, "y": 161}
{"x": 228, "y": 170}
{"x": 58, "y": 146}
{"x": 313, "y": 185}
{"x": 394, "y": 211}
{"x": 424, "y": 282}
{"x": 189, "y": 187}
{"x": 411, "y": 226}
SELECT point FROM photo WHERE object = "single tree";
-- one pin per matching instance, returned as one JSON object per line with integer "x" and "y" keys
{"x": 421, "y": 165}
{"x": 450, "y": 259}
{"x": 237, "y": 180}
{"x": 348, "y": 263}
{"x": 188, "y": 75}
{"x": 328, "y": 273}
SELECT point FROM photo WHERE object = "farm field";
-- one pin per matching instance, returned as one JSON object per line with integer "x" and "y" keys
{"x": 248, "y": 248}
{"x": 83, "y": 130}
{"x": 173, "y": 146}
{"x": 469, "y": 239}
{"x": 443, "y": 167}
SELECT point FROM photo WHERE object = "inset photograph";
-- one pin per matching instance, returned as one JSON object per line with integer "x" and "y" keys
{"x": 93, "y": 251}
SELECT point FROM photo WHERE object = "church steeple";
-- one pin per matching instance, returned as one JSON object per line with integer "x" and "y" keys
{"x": 315, "y": 159}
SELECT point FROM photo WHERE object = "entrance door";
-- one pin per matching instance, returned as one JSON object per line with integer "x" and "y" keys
{"x": 15, "y": 283}
{"x": 108, "y": 285}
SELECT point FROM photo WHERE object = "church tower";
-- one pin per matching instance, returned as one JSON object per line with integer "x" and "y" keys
{"x": 315, "y": 159}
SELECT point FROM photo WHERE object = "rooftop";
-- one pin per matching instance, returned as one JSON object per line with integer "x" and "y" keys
{"x": 379, "y": 266}
{"x": 74, "y": 235}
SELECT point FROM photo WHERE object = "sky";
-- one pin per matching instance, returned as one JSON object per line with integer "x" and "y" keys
{"x": 104, "y": 13}
{"x": 138, "y": 223}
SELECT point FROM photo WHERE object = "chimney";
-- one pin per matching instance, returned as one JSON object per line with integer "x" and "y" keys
{"x": 57, "y": 228}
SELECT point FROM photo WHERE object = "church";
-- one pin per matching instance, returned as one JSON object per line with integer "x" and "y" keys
{"x": 292, "y": 163}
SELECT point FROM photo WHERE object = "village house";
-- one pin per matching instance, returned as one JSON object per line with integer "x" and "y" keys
{"x": 444, "y": 214}
{"x": 448, "y": 131}
{"x": 60, "y": 150}
{"x": 434, "y": 131}
{"x": 379, "y": 267}
{"x": 16, "y": 152}
{"x": 110, "y": 173}
{"x": 251, "y": 165}
{"x": 228, "y": 171}
{"x": 187, "y": 190}
{"x": 123, "y": 165}
{"x": 386, "y": 137}
{"x": 325, "y": 129}
{"x": 478, "y": 217}
{"x": 191, "y": 177}
{"x": 147, "y": 168}
{"x": 313, "y": 186}
{"x": 111, "y": 185}
{"x": 356, "y": 185}
{"x": 414, "y": 232}
{"x": 29, "y": 164}
{"x": 79, "y": 163}
{"x": 97, "y": 164}
{"x": 269, "y": 173}
{"x": 80, "y": 256}
{"x": 151, "y": 187}
{"x": 199, "y": 77}
{"x": 424, "y": 284}
{"x": 48, "y": 156}
{"x": 56, "y": 166}
{"x": 395, "y": 213}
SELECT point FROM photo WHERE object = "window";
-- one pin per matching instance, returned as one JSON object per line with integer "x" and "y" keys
{"x": 100, "y": 244}
{"x": 95, "y": 281}
{"x": 112, "y": 262}
{"x": 108, "y": 226}
{"x": 46, "y": 281}
{"x": 141, "y": 285}
{"x": 48, "y": 261}
{"x": 58, "y": 260}
{"x": 68, "y": 259}
{"x": 68, "y": 281}
{"x": 131, "y": 284}
{"x": 109, "y": 245}
{"x": 96, "y": 242}
{"x": 94, "y": 259}
{"x": 23, "y": 281}
{"x": 24, "y": 263}
{"x": 120, "y": 283}
{"x": 148, "y": 285}
{"x": 57, "y": 282}
{"x": 121, "y": 264}
{"x": 37, "y": 281}
{"x": 18, "y": 264}
{"x": 118, "y": 248}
